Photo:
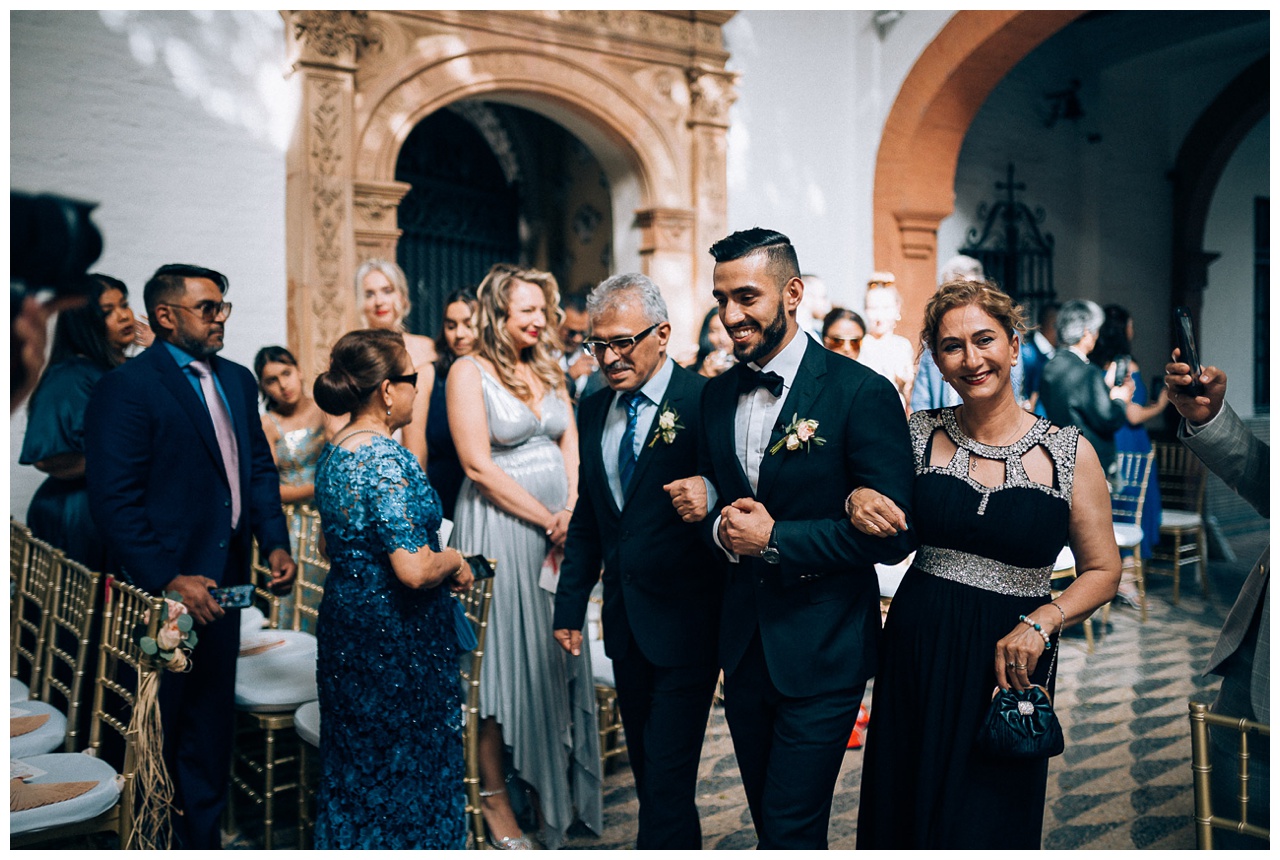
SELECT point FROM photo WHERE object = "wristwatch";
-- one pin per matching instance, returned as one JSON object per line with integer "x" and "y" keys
{"x": 770, "y": 552}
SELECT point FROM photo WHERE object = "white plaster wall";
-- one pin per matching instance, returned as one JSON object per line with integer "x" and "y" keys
{"x": 812, "y": 100}
{"x": 176, "y": 124}
{"x": 1226, "y": 326}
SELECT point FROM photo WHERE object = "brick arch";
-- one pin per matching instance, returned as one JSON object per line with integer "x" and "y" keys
{"x": 916, "y": 164}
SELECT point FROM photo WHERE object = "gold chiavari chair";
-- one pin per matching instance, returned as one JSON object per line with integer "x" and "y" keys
{"x": 19, "y": 547}
{"x": 69, "y": 654}
{"x": 313, "y": 569}
{"x": 1182, "y": 480}
{"x": 1202, "y": 769}
{"x": 111, "y": 760}
{"x": 476, "y": 601}
{"x": 31, "y": 613}
{"x": 608, "y": 715}
{"x": 1128, "y": 498}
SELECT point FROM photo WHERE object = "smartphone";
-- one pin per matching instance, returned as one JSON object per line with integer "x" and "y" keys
{"x": 1157, "y": 385}
{"x": 1187, "y": 353}
{"x": 1122, "y": 369}
{"x": 481, "y": 567}
{"x": 233, "y": 596}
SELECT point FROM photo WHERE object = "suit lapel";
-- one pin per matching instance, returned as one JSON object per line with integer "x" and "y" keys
{"x": 719, "y": 422}
{"x": 672, "y": 398}
{"x": 805, "y": 389}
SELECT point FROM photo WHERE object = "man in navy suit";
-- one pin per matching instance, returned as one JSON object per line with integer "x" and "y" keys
{"x": 787, "y": 434}
{"x": 181, "y": 480}
{"x": 661, "y": 582}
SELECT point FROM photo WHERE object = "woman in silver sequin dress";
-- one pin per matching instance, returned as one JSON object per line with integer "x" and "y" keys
{"x": 998, "y": 493}
{"x": 512, "y": 425}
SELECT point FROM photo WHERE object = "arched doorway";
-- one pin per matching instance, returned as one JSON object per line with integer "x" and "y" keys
{"x": 646, "y": 94}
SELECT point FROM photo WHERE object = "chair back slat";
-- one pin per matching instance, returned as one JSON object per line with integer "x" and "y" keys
{"x": 1235, "y": 820}
{"x": 31, "y": 612}
{"x": 73, "y": 608}
{"x": 19, "y": 547}
{"x": 128, "y": 613}
{"x": 476, "y": 602}
{"x": 313, "y": 569}
{"x": 1129, "y": 486}
{"x": 1182, "y": 477}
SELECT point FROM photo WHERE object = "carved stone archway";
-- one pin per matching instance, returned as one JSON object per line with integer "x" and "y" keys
{"x": 647, "y": 92}
{"x": 916, "y": 164}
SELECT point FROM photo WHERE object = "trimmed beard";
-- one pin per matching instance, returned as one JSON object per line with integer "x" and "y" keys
{"x": 770, "y": 337}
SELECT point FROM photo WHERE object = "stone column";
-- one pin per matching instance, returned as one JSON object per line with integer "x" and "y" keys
{"x": 916, "y": 271}
{"x": 375, "y": 205}
{"x": 666, "y": 255}
{"x": 319, "y": 228}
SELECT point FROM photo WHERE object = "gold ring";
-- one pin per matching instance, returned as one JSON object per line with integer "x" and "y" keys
{"x": 1019, "y": 665}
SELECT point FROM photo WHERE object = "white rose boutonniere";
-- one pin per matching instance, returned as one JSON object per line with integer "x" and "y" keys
{"x": 668, "y": 425}
{"x": 800, "y": 433}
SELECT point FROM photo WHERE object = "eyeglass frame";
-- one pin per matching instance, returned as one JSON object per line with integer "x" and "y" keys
{"x": 620, "y": 345}
{"x": 209, "y": 310}
{"x": 411, "y": 378}
{"x": 853, "y": 340}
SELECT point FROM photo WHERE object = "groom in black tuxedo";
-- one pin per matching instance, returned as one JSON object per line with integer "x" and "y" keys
{"x": 661, "y": 582}
{"x": 787, "y": 434}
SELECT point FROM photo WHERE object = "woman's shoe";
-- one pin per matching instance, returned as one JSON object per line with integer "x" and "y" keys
{"x": 505, "y": 843}
{"x": 1130, "y": 600}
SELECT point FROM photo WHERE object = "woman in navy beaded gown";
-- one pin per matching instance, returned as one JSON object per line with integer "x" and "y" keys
{"x": 998, "y": 493}
{"x": 387, "y": 672}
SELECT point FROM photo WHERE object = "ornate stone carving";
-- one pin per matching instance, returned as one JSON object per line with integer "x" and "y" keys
{"x": 665, "y": 229}
{"x": 711, "y": 93}
{"x": 651, "y": 26}
{"x": 330, "y": 33}
{"x": 495, "y": 134}
{"x": 328, "y": 208}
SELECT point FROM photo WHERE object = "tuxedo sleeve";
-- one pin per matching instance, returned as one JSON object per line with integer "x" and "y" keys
{"x": 266, "y": 512}
{"x": 118, "y": 453}
{"x": 580, "y": 569}
{"x": 877, "y": 453}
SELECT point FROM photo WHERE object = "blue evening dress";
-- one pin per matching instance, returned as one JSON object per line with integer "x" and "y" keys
{"x": 387, "y": 668}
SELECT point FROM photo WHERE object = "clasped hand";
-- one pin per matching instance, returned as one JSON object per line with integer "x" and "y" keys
{"x": 558, "y": 527}
{"x": 745, "y": 527}
{"x": 689, "y": 496}
{"x": 570, "y": 640}
{"x": 875, "y": 514}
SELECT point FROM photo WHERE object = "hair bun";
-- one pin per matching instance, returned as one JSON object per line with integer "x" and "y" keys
{"x": 336, "y": 392}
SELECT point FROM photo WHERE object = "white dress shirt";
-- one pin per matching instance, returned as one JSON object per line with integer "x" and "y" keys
{"x": 615, "y": 425}
{"x": 757, "y": 414}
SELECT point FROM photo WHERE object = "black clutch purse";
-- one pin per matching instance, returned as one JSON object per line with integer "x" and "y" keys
{"x": 1022, "y": 724}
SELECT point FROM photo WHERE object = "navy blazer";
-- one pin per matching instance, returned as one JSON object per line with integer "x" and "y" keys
{"x": 661, "y": 582}
{"x": 818, "y": 611}
{"x": 158, "y": 491}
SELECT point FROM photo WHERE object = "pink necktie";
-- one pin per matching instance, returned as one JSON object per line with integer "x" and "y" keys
{"x": 223, "y": 430}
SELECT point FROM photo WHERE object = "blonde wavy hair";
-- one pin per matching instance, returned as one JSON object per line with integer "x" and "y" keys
{"x": 494, "y": 341}
{"x": 399, "y": 282}
{"x": 982, "y": 294}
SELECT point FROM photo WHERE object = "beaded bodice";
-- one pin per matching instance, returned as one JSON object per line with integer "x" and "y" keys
{"x": 1060, "y": 445}
{"x": 297, "y": 452}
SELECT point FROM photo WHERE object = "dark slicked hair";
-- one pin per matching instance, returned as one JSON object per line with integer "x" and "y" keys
{"x": 783, "y": 263}
{"x": 170, "y": 281}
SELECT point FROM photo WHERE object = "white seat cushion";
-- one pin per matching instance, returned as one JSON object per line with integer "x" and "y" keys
{"x": 68, "y": 767}
{"x": 279, "y": 679}
{"x": 18, "y": 691}
{"x": 1128, "y": 535}
{"x": 891, "y": 575}
{"x": 1065, "y": 560}
{"x": 601, "y": 665}
{"x": 45, "y": 739}
{"x": 307, "y": 722}
{"x": 251, "y": 621}
{"x": 1179, "y": 519}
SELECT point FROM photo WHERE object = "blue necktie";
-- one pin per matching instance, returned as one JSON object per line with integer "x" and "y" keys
{"x": 627, "y": 449}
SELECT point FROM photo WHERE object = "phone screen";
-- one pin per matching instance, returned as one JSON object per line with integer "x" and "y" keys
{"x": 1187, "y": 350}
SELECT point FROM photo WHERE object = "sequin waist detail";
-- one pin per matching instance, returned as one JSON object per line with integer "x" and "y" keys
{"x": 985, "y": 573}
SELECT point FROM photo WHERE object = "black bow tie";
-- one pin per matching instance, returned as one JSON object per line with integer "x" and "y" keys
{"x": 749, "y": 380}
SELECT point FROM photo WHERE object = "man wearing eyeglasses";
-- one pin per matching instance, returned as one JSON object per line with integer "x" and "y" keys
{"x": 661, "y": 582}
{"x": 181, "y": 480}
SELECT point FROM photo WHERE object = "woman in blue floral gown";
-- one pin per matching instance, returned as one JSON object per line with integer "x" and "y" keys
{"x": 387, "y": 671}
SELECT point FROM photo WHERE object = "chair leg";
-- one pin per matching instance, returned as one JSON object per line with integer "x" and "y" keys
{"x": 1202, "y": 548}
{"x": 1140, "y": 575}
{"x": 269, "y": 789}
{"x": 1177, "y": 563}
{"x": 1088, "y": 634}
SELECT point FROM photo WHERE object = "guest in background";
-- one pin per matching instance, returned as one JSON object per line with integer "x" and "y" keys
{"x": 1115, "y": 347}
{"x": 815, "y": 305}
{"x": 843, "y": 331}
{"x": 513, "y": 427}
{"x": 391, "y": 753}
{"x": 88, "y": 341}
{"x": 457, "y": 338}
{"x": 1075, "y": 392}
{"x": 715, "y": 349}
{"x": 383, "y": 292}
{"x": 1037, "y": 349}
{"x": 295, "y": 428}
{"x": 576, "y": 362}
{"x": 888, "y": 354}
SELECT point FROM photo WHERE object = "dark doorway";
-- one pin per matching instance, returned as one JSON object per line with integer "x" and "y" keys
{"x": 460, "y": 217}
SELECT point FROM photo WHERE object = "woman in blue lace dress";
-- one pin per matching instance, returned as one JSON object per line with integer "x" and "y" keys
{"x": 390, "y": 699}
{"x": 87, "y": 342}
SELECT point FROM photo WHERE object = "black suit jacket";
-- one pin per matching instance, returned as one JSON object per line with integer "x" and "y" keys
{"x": 661, "y": 583}
{"x": 157, "y": 488}
{"x": 1073, "y": 391}
{"x": 818, "y": 611}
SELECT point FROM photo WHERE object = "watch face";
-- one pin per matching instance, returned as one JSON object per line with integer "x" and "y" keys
{"x": 770, "y": 554}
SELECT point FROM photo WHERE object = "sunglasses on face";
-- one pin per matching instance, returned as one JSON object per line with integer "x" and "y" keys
{"x": 620, "y": 345}
{"x": 411, "y": 378}
{"x": 853, "y": 341}
{"x": 209, "y": 311}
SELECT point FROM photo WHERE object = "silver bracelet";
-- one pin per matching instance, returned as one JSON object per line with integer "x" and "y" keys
{"x": 1062, "y": 613}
